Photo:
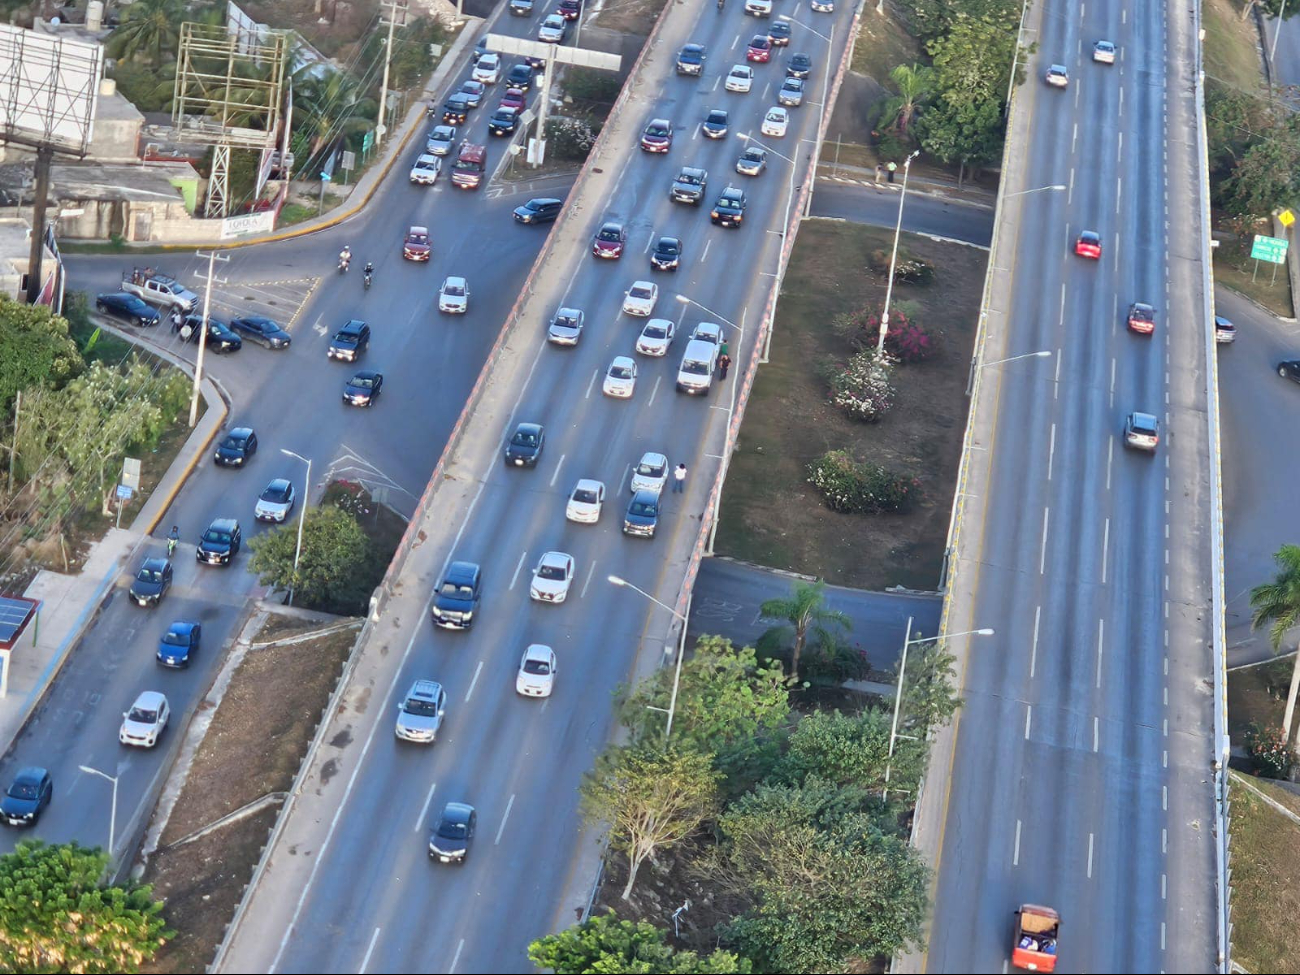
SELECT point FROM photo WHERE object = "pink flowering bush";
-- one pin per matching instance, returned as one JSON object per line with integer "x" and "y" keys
{"x": 1270, "y": 752}
{"x": 854, "y": 488}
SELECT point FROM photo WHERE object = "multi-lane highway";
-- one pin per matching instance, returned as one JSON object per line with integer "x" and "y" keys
{"x": 349, "y": 886}
{"x": 292, "y": 399}
{"x": 1081, "y": 771}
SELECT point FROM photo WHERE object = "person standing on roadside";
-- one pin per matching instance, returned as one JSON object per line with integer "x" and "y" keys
{"x": 891, "y": 167}
{"x": 879, "y": 171}
{"x": 724, "y": 363}
{"x": 679, "y": 479}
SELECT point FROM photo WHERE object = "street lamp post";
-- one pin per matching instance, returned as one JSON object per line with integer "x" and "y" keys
{"x": 898, "y": 692}
{"x": 681, "y": 645}
{"x": 821, "y": 125}
{"x": 893, "y": 257}
{"x": 976, "y": 365}
{"x": 783, "y": 256}
{"x": 302, "y": 517}
{"x": 112, "y": 815}
{"x": 731, "y": 411}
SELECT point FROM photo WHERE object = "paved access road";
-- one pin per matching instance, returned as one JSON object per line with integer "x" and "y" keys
{"x": 1081, "y": 772}
{"x": 922, "y": 213}
{"x": 350, "y": 886}
{"x": 293, "y": 399}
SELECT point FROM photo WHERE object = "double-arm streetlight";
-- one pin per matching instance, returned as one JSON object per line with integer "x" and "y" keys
{"x": 826, "y": 81}
{"x": 302, "y": 517}
{"x": 681, "y": 645}
{"x": 112, "y": 815}
{"x": 898, "y": 693}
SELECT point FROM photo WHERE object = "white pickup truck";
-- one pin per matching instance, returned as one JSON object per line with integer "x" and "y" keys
{"x": 159, "y": 289}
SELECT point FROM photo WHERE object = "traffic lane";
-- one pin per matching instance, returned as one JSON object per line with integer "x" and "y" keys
{"x": 728, "y": 595}
{"x": 922, "y": 214}
{"x": 1260, "y": 440}
{"x": 78, "y": 721}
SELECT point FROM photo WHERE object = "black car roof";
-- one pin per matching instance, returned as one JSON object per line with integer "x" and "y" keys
{"x": 33, "y": 773}
{"x": 224, "y": 524}
{"x": 529, "y": 428}
{"x": 243, "y": 433}
{"x": 461, "y": 572}
{"x": 155, "y": 564}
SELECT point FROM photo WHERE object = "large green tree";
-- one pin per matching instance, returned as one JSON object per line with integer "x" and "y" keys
{"x": 334, "y": 568}
{"x": 37, "y": 350}
{"x": 843, "y": 749}
{"x": 801, "y": 613}
{"x": 603, "y": 943}
{"x": 651, "y": 798}
{"x": 933, "y": 18}
{"x": 149, "y": 31}
{"x": 1278, "y": 603}
{"x": 57, "y": 916}
{"x": 914, "y": 83}
{"x": 1264, "y": 178}
{"x": 728, "y": 703}
{"x": 828, "y": 888}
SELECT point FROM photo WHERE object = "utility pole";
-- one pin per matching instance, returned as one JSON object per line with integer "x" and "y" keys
{"x": 893, "y": 257}
{"x": 18, "y": 406}
{"x": 212, "y": 257}
{"x": 392, "y": 6}
{"x": 543, "y": 103}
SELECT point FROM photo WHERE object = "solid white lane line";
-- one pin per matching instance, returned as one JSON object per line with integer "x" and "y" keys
{"x": 1033, "y": 647}
{"x": 705, "y": 256}
{"x": 1069, "y": 196}
{"x": 1051, "y": 451}
{"x": 1164, "y": 886}
{"x": 1110, "y": 459}
{"x": 1075, "y": 137}
{"x": 591, "y": 386}
{"x": 1105, "y": 548}
{"x": 1112, "y": 382}
{"x": 1164, "y": 839}
{"x": 456, "y": 958}
{"x": 1029, "y": 710}
{"x": 654, "y": 390}
{"x": 1164, "y": 798}
{"x": 1056, "y": 378}
{"x": 502, "y": 828}
{"x": 1042, "y": 553}
{"x": 365, "y": 962}
{"x": 1101, "y": 640}
{"x": 1062, "y": 302}
{"x": 558, "y": 465}
{"x": 515, "y": 578}
{"x": 1089, "y": 856}
{"x": 424, "y": 810}
{"x": 1119, "y": 190}
{"x": 477, "y": 670}
{"x": 1015, "y": 857}
{"x": 1096, "y": 732}
{"x": 590, "y": 572}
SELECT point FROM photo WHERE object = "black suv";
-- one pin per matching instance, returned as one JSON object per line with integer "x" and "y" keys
{"x": 688, "y": 185}
{"x": 457, "y": 599}
{"x": 220, "y": 338}
{"x": 521, "y": 77}
{"x": 238, "y": 447}
{"x": 127, "y": 307}
{"x": 690, "y": 60}
{"x": 455, "y": 110}
{"x": 667, "y": 254}
{"x": 261, "y": 330}
{"x": 220, "y": 543}
{"x": 729, "y": 211}
{"x": 503, "y": 121}
{"x": 541, "y": 210}
{"x": 526, "y": 445}
{"x": 151, "y": 582}
{"x": 799, "y": 67}
{"x": 350, "y": 342}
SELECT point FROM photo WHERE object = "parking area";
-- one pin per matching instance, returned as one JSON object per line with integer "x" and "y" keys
{"x": 281, "y": 301}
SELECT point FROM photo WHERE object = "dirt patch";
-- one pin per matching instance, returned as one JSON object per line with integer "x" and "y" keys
{"x": 345, "y": 26}
{"x": 253, "y": 748}
{"x": 631, "y": 16}
{"x": 1267, "y": 284}
{"x": 1257, "y": 695}
{"x": 1266, "y": 885}
{"x": 770, "y": 514}
{"x": 883, "y": 44}
{"x": 1232, "y": 46}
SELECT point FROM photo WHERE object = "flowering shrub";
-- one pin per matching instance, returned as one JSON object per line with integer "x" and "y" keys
{"x": 570, "y": 138}
{"x": 1270, "y": 752}
{"x": 908, "y": 340}
{"x": 855, "y": 488}
{"x": 907, "y": 269}
{"x": 862, "y": 388}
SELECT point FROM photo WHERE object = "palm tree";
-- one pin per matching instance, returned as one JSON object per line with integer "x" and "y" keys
{"x": 801, "y": 612}
{"x": 149, "y": 30}
{"x": 914, "y": 83}
{"x": 1279, "y": 602}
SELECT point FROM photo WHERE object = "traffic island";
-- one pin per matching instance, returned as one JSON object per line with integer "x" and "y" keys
{"x": 219, "y": 807}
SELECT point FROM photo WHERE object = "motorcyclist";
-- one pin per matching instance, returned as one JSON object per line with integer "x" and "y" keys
{"x": 345, "y": 257}
{"x": 173, "y": 537}
{"x": 370, "y": 270}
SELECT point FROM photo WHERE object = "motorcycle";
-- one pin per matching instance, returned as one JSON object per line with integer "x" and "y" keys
{"x": 344, "y": 263}
{"x": 367, "y": 279}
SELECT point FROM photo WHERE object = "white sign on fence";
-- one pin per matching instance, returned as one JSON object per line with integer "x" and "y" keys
{"x": 247, "y": 223}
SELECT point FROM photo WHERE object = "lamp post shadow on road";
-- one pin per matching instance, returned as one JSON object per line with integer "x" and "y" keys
{"x": 681, "y": 644}
{"x": 112, "y": 815}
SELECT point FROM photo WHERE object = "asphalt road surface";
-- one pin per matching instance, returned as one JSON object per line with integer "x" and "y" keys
{"x": 728, "y": 595}
{"x": 351, "y": 904}
{"x": 1261, "y": 462}
{"x": 1081, "y": 776}
{"x": 293, "y": 399}
{"x": 922, "y": 214}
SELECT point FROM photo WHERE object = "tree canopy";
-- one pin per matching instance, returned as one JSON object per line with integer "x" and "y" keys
{"x": 333, "y": 569}
{"x": 38, "y": 351}
{"x": 603, "y": 943}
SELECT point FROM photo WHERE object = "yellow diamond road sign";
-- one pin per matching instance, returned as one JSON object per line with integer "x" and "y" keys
{"x": 1286, "y": 218}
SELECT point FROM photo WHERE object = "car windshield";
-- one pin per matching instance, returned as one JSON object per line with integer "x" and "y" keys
{"x": 362, "y": 382}
{"x": 655, "y": 332}
{"x": 567, "y": 321}
{"x": 620, "y": 372}
{"x": 650, "y": 470}
{"x": 754, "y": 155}
{"x": 420, "y": 707}
{"x": 643, "y": 508}
{"x": 775, "y": 116}
{"x": 690, "y": 178}
{"x": 695, "y": 368}
{"x": 444, "y": 133}
{"x": 233, "y": 443}
{"x": 524, "y": 439}
{"x": 640, "y": 292}
{"x": 414, "y": 238}
{"x": 346, "y": 338}
{"x": 551, "y": 572}
{"x": 455, "y": 290}
{"x": 150, "y": 575}
{"x": 669, "y": 246}
{"x": 718, "y": 117}
{"x": 584, "y": 496}
{"x": 449, "y": 830}
{"x": 657, "y": 130}
{"x": 276, "y": 494}
{"x": 221, "y": 537}
{"x": 23, "y": 790}
{"x": 143, "y": 715}
{"x": 609, "y": 233}
{"x": 176, "y": 639}
{"x": 450, "y": 588}
{"x": 539, "y": 667}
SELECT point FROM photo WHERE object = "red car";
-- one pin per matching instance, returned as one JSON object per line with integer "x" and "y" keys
{"x": 569, "y": 9}
{"x": 1141, "y": 318}
{"x": 760, "y": 49}
{"x": 657, "y": 136}
{"x": 514, "y": 98}
{"x": 609, "y": 240}
{"x": 416, "y": 247}
{"x": 1089, "y": 245}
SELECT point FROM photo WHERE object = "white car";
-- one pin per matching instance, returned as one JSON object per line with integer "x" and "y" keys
{"x": 585, "y": 502}
{"x": 441, "y": 140}
{"x": 426, "y": 169}
{"x": 650, "y": 473}
{"x": 1057, "y": 76}
{"x": 824, "y": 6}
{"x": 552, "y": 578}
{"x": 536, "y": 676}
{"x": 708, "y": 332}
{"x": 640, "y": 299}
{"x": 566, "y": 327}
{"x": 453, "y": 296}
{"x": 553, "y": 29}
{"x": 620, "y": 380}
{"x": 146, "y": 720}
{"x": 655, "y": 337}
{"x": 776, "y": 121}
{"x": 488, "y": 69}
{"x": 759, "y": 8}
{"x": 1104, "y": 52}
{"x": 740, "y": 79}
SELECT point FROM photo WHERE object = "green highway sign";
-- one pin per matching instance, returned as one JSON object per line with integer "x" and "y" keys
{"x": 1271, "y": 249}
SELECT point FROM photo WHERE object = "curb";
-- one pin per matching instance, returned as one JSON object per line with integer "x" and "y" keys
{"x": 952, "y": 196}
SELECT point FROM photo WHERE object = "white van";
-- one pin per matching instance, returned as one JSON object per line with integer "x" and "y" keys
{"x": 695, "y": 375}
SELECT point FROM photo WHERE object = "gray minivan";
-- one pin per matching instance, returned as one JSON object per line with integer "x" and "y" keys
{"x": 695, "y": 375}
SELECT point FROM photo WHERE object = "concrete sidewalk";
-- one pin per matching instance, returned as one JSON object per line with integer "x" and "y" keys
{"x": 967, "y": 193}
{"x": 69, "y": 603}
